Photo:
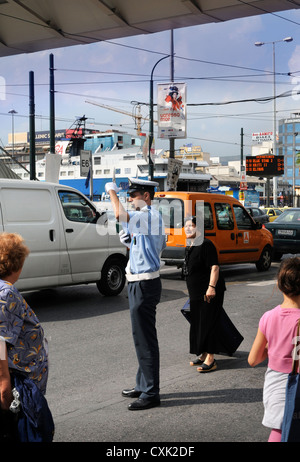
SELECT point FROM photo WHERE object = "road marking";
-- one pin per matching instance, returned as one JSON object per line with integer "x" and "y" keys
{"x": 262, "y": 283}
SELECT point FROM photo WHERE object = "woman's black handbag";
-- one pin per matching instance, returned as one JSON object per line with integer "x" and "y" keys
{"x": 185, "y": 310}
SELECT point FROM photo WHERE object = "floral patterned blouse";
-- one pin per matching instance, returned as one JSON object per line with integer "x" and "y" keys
{"x": 24, "y": 336}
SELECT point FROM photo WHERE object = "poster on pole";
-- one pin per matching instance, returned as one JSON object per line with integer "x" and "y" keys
{"x": 174, "y": 170}
{"x": 171, "y": 110}
{"x": 145, "y": 150}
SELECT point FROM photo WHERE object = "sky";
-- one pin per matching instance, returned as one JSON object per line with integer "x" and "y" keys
{"x": 220, "y": 64}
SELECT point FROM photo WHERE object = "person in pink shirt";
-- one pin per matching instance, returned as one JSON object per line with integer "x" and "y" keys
{"x": 275, "y": 340}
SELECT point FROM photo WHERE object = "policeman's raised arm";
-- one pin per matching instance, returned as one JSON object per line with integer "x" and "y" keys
{"x": 119, "y": 211}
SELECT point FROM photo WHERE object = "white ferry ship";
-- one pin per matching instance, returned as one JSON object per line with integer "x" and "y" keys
{"x": 120, "y": 164}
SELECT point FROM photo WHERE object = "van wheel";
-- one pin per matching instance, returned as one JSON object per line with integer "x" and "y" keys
{"x": 264, "y": 262}
{"x": 112, "y": 277}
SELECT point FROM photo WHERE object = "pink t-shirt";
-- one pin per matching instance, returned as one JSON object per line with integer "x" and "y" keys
{"x": 279, "y": 326}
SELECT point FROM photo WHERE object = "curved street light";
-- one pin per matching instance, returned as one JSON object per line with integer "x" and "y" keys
{"x": 150, "y": 175}
{"x": 259, "y": 44}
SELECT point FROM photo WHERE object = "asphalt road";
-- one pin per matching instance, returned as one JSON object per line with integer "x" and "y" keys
{"x": 92, "y": 359}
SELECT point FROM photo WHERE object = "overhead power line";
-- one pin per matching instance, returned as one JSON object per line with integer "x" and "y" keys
{"x": 250, "y": 100}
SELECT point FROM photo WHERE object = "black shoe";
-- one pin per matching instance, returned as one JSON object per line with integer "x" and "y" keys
{"x": 132, "y": 393}
{"x": 141, "y": 404}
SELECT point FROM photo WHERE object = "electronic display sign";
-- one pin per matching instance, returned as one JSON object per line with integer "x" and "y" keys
{"x": 265, "y": 165}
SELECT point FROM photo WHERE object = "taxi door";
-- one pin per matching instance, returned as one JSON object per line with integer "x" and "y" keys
{"x": 225, "y": 238}
{"x": 247, "y": 238}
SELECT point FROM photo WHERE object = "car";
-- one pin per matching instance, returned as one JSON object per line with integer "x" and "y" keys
{"x": 273, "y": 212}
{"x": 235, "y": 235}
{"x": 286, "y": 233}
{"x": 258, "y": 215}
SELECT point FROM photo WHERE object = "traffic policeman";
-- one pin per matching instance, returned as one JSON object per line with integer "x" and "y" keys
{"x": 143, "y": 232}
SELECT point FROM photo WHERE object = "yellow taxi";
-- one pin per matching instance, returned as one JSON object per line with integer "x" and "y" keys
{"x": 236, "y": 236}
{"x": 272, "y": 212}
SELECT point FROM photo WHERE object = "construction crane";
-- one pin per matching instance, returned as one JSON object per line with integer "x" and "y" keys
{"x": 138, "y": 116}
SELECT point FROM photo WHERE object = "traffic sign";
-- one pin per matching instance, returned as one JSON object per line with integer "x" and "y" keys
{"x": 174, "y": 169}
{"x": 85, "y": 162}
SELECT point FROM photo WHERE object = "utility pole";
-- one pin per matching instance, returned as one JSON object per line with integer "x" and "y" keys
{"x": 52, "y": 109}
{"x": 32, "y": 125}
{"x": 242, "y": 149}
{"x": 13, "y": 112}
{"x": 172, "y": 140}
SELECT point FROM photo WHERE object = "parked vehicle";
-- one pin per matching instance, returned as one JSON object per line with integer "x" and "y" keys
{"x": 258, "y": 215}
{"x": 273, "y": 213}
{"x": 70, "y": 242}
{"x": 286, "y": 233}
{"x": 237, "y": 238}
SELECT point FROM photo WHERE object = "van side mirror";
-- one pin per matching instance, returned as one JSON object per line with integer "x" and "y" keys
{"x": 258, "y": 225}
{"x": 96, "y": 217}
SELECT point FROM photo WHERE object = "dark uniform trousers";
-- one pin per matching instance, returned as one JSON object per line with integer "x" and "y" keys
{"x": 143, "y": 296}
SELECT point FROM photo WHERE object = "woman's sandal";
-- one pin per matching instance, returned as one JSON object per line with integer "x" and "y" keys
{"x": 197, "y": 362}
{"x": 207, "y": 368}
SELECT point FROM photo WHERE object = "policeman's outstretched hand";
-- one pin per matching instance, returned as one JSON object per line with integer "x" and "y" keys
{"x": 125, "y": 238}
{"x": 111, "y": 186}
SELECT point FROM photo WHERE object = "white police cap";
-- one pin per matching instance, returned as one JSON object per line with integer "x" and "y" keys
{"x": 135, "y": 184}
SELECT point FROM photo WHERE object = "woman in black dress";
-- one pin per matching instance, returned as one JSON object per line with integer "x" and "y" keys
{"x": 206, "y": 288}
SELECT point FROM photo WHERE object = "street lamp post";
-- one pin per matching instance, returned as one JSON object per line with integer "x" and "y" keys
{"x": 294, "y": 204}
{"x": 259, "y": 44}
{"x": 13, "y": 112}
{"x": 151, "y": 166}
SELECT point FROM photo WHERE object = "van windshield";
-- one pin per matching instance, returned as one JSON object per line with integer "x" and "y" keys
{"x": 172, "y": 211}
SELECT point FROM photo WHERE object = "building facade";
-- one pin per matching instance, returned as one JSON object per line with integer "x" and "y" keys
{"x": 288, "y": 145}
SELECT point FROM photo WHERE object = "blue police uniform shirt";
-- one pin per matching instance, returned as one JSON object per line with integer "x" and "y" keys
{"x": 147, "y": 233}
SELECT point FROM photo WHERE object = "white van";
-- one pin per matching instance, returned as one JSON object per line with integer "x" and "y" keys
{"x": 70, "y": 242}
